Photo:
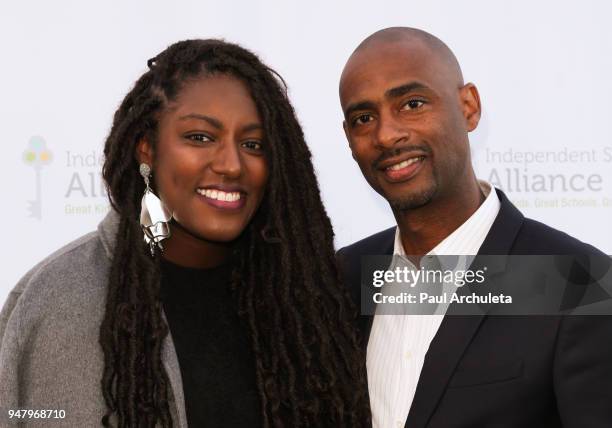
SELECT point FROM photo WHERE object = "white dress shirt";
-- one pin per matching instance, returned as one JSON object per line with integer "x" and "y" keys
{"x": 398, "y": 343}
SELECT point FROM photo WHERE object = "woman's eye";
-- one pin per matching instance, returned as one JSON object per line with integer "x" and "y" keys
{"x": 413, "y": 104}
{"x": 199, "y": 137}
{"x": 252, "y": 145}
{"x": 362, "y": 119}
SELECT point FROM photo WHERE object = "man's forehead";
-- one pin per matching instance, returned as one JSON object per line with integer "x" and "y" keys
{"x": 381, "y": 68}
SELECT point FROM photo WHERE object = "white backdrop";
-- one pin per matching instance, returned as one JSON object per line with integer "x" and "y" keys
{"x": 543, "y": 69}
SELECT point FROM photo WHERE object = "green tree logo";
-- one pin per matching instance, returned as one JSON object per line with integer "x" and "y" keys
{"x": 37, "y": 156}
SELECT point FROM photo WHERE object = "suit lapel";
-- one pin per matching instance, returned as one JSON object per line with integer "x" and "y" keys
{"x": 504, "y": 230}
{"x": 441, "y": 359}
{"x": 456, "y": 331}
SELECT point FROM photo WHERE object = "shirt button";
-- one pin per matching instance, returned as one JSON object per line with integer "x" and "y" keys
{"x": 399, "y": 424}
{"x": 407, "y": 355}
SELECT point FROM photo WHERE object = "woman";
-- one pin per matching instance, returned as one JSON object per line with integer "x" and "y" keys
{"x": 233, "y": 281}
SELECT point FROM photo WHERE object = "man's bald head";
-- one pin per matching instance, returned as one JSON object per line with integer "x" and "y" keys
{"x": 410, "y": 43}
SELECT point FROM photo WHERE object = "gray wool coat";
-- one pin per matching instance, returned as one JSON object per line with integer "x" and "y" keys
{"x": 49, "y": 353}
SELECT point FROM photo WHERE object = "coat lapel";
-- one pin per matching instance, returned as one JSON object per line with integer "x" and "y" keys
{"x": 108, "y": 230}
{"x": 456, "y": 331}
{"x": 171, "y": 365}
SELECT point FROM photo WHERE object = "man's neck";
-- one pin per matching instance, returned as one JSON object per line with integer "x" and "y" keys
{"x": 422, "y": 229}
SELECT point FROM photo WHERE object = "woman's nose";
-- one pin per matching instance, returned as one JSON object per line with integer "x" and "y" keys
{"x": 227, "y": 160}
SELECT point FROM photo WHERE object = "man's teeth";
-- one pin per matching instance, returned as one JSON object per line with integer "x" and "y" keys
{"x": 404, "y": 164}
{"x": 220, "y": 195}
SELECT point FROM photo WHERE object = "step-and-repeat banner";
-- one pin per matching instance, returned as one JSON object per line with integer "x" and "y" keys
{"x": 543, "y": 70}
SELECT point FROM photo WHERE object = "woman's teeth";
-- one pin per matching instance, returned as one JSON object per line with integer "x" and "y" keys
{"x": 219, "y": 195}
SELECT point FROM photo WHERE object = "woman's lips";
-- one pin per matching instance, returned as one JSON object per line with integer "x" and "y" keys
{"x": 404, "y": 170}
{"x": 221, "y": 199}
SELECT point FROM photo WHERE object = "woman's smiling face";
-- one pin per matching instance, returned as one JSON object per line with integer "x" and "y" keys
{"x": 208, "y": 162}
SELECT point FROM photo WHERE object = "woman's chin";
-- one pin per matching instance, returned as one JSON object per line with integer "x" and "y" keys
{"x": 218, "y": 233}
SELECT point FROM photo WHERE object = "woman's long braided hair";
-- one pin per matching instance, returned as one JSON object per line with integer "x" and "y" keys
{"x": 308, "y": 363}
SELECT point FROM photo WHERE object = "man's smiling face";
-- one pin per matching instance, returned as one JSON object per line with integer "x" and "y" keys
{"x": 406, "y": 120}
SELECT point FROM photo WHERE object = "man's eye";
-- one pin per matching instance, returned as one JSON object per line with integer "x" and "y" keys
{"x": 252, "y": 145}
{"x": 362, "y": 119}
{"x": 203, "y": 138}
{"x": 413, "y": 104}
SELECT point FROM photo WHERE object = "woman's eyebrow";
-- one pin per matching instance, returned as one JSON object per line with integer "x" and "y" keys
{"x": 214, "y": 122}
{"x": 252, "y": 127}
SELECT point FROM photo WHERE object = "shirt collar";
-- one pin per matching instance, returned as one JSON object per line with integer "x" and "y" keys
{"x": 467, "y": 238}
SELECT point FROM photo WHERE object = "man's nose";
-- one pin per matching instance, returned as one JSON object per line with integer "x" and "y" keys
{"x": 227, "y": 160}
{"x": 390, "y": 131}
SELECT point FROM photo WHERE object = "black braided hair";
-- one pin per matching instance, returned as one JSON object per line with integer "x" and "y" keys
{"x": 309, "y": 366}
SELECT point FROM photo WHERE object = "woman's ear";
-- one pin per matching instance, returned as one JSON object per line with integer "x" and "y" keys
{"x": 144, "y": 152}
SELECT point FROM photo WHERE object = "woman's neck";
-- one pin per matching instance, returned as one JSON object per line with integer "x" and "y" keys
{"x": 185, "y": 249}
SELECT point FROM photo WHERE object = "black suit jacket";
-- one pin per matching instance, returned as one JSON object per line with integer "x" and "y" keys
{"x": 507, "y": 371}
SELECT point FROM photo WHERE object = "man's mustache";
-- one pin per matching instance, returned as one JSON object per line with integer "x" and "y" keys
{"x": 397, "y": 151}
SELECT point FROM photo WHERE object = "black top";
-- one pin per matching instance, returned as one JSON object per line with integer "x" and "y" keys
{"x": 212, "y": 345}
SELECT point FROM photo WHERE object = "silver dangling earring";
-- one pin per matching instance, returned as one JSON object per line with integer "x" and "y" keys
{"x": 154, "y": 216}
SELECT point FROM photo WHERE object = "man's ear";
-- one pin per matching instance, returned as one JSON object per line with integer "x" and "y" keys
{"x": 346, "y": 134}
{"x": 470, "y": 104}
{"x": 144, "y": 152}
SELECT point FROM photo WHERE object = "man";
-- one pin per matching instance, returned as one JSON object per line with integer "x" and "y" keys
{"x": 407, "y": 115}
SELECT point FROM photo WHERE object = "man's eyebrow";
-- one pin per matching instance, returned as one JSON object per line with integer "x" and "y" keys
{"x": 359, "y": 105}
{"x": 398, "y": 91}
{"x": 395, "y": 92}
{"x": 214, "y": 122}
